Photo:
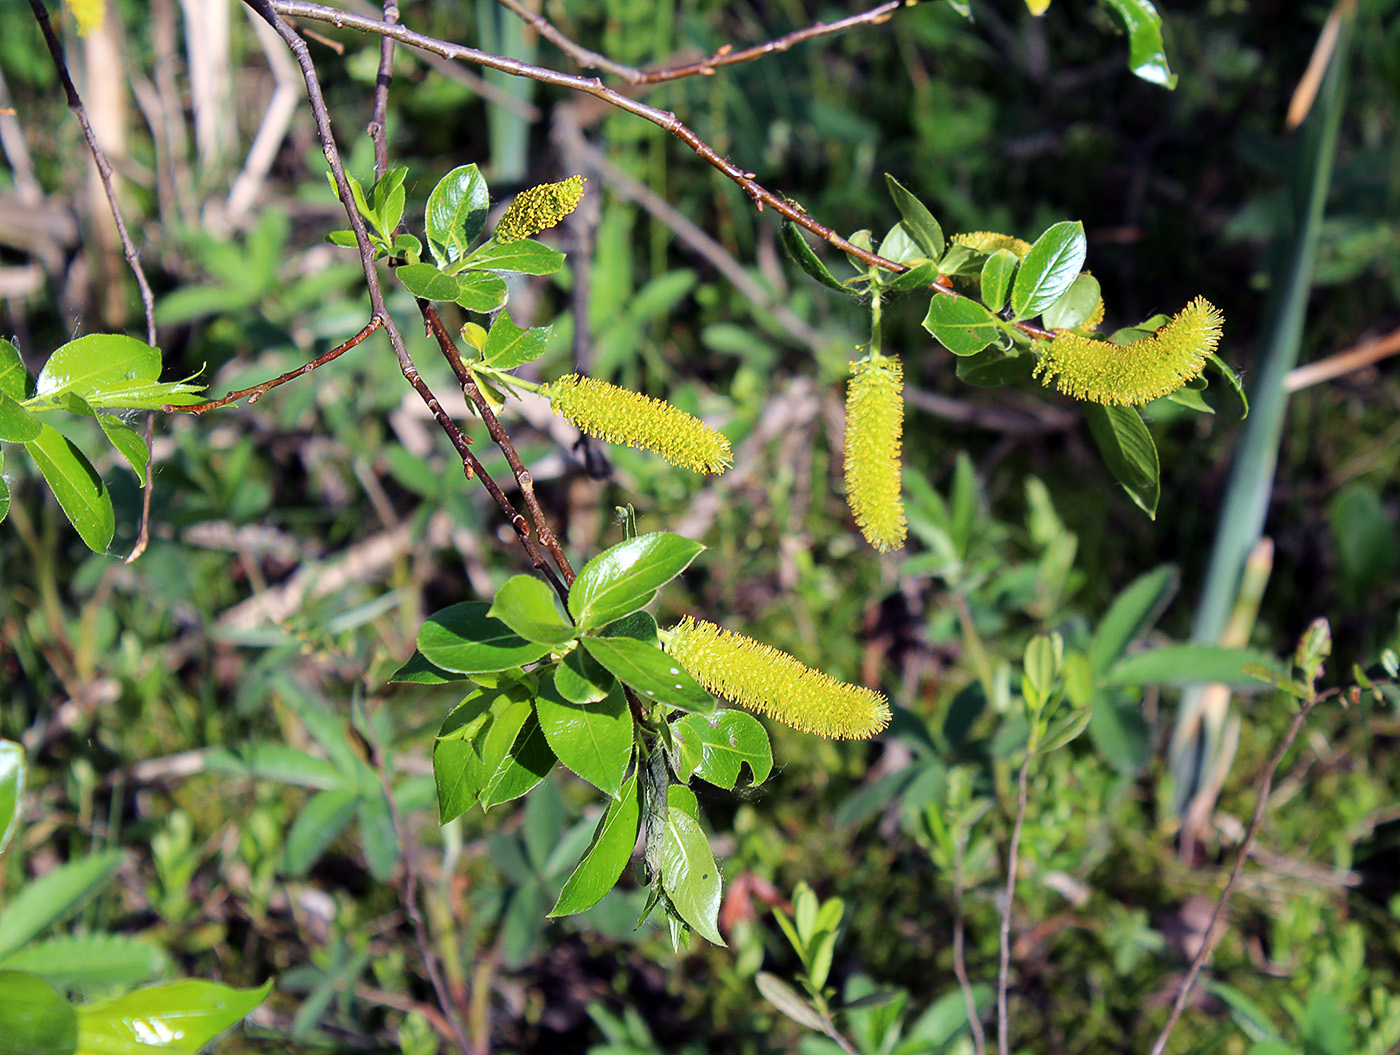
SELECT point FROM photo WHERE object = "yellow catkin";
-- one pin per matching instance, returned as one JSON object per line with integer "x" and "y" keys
{"x": 874, "y": 430}
{"x": 990, "y": 242}
{"x": 540, "y": 207}
{"x": 89, "y": 14}
{"x": 771, "y": 682}
{"x": 1129, "y": 374}
{"x": 1091, "y": 324}
{"x": 616, "y": 415}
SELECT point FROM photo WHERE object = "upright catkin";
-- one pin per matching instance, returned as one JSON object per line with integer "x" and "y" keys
{"x": 1130, "y": 374}
{"x": 616, "y": 415}
{"x": 537, "y": 208}
{"x": 874, "y": 432}
{"x": 771, "y": 682}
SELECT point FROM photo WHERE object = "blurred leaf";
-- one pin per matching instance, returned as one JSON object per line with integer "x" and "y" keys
{"x": 464, "y": 639}
{"x": 378, "y": 836}
{"x": 961, "y": 325}
{"x": 46, "y": 898}
{"x": 1121, "y": 734}
{"x": 625, "y": 578}
{"x": 456, "y": 213}
{"x": 786, "y": 999}
{"x": 1147, "y": 56}
{"x": 717, "y": 746}
{"x": 1191, "y": 665}
{"x": 273, "y": 761}
{"x": 12, "y": 774}
{"x": 1133, "y": 612}
{"x": 179, "y": 1018}
{"x": 529, "y": 607}
{"x": 993, "y": 368}
{"x": 34, "y": 1018}
{"x": 607, "y": 855}
{"x": 89, "y": 961}
{"x": 592, "y": 739}
{"x": 1128, "y": 451}
{"x": 318, "y": 824}
{"x": 1048, "y": 270}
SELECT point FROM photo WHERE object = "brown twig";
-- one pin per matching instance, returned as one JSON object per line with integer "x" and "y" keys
{"x": 258, "y": 391}
{"x": 583, "y": 58}
{"x": 760, "y": 195}
{"x": 1343, "y": 363}
{"x": 1213, "y": 930}
{"x": 377, "y": 132}
{"x": 1012, "y": 861}
{"x": 493, "y": 426}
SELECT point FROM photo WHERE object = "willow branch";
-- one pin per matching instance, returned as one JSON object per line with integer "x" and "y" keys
{"x": 376, "y": 129}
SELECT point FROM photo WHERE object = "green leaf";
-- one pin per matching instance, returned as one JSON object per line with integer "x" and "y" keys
{"x": 592, "y": 739}
{"x": 529, "y": 607}
{"x": 900, "y": 247}
{"x": 528, "y": 761}
{"x": 1051, "y": 266}
{"x": 274, "y": 761}
{"x": 99, "y": 361}
{"x": 148, "y": 395}
{"x": 388, "y": 200}
{"x": 1133, "y": 612}
{"x": 918, "y": 221}
{"x": 1120, "y": 734}
{"x": 1075, "y": 305}
{"x": 994, "y": 368}
{"x": 655, "y": 676}
{"x": 689, "y": 874}
{"x": 418, "y": 671}
{"x": 808, "y": 261}
{"x": 606, "y": 857}
{"x": 1192, "y": 665}
{"x": 625, "y": 578}
{"x": 717, "y": 746}
{"x": 482, "y": 291}
{"x": 34, "y": 1018}
{"x": 508, "y": 346}
{"x": 1128, "y": 451}
{"x": 919, "y": 276}
{"x": 46, "y": 899}
{"x": 80, "y": 491}
{"x": 17, "y": 424}
{"x": 962, "y": 326}
{"x": 1232, "y": 381}
{"x": 14, "y": 378}
{"x": 89, "y": 961}
{"x": 465, "y": 640}
{"x": 184, "y": 1015}
{"x": 427, "y": 282}
{"x": 320, "y": 822}
{"x": 408, "y": 247}
{"x": 472, "y": 744}
{"x": 12, "y": 774}
{"x": 1147, "y": 57}
{"x": 344, "y": 239}
{"x": 456, "y": 213}
{"x": 640, "y": 626}
{"x": 996, "y": 278}
{"x": 378, "y": 837}
{"x": 581, "y": 678}
{"x": 129, "y": 443}
{"x": 525, "y": 255}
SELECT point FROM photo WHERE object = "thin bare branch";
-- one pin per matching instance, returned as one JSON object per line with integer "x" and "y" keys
{"x": 583, "y": 58}
{"x": 1214, "y": 931}
{"x": 377, "y": 132}
{"x": 1343, "y": 363}
{"x": 974, "y": 1020}
{"x": 1013, "y": 851}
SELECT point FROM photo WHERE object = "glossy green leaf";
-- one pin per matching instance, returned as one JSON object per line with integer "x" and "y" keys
{"x": 148, "y": 395}
{"x": 14, "y": 378}
{"x": 640, "y": 626}
{"x": 418, "y": 671}
{"x": 962, "y": 326}
{"x": 581, "y": 678}
{"x": 427, "y": 282}
{"x": 689, "y": 874}
{"x": 1128, "y": 451}
{"x": 997, "y": 273}
{"x": 508, "y": 346}
{"x": 919, "y": 222}
{"x": 1075, "y": 305}
{"x": 320, "y": 822}
{"x": 344, "y": 238}
{"x": 654, "y": 676}
{"x": 524, "y": 255}
{"x": 1133, "y": 612}
{"x": 472, "y": 745}
{"x": 89, "y": 961}
{"x": 49, "y": 897}
{"x": 34, "y": 1017}
{"x": 178, "y": 1019}
{"x": 1147, "y": 57}
{"x": 129, "y": 443}
{"x": 482, "y": 291}
{"x": 529, "y": 607}
{"x": 1192, "y": 665}
{"x": 1232, "y": 382}
{"x": 715, "y": 747}
{"x": 592, "y": 739}
{"x": 994, "y": 368}
{"x": 96, "y": 362}
{"x": 796, "y": 245}
{"x": 80, "y": 491}
{"x": 607, "y": 855}
{"x": 17, "y": 424}
{"x": 456, "y": 213}
{"x": 378, "y": 837}
{"x": 465, "y": 640}
{"x": 1050, "y": 268}
{"x": 12, "y": 774}
{"x": 625, "y": 578}
{"x": 528, "y": 761}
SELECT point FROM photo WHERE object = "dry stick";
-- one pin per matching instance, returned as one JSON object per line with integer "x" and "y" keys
{"x": 410, "y": 372}
{"x": 1012, "y": 860}
{"x": 1343, "y": 363}
{"x": 258, "y": 391}
{"x": 377, "y": 131}
{"x": 760, "y": 195}
{"x": 133, "y": 257}
{"x": 1212, "y": 934}
{"x": 493, "y": 425}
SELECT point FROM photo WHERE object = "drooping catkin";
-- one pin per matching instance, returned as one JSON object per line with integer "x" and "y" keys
{"x": 874, "y": 432}
{"x": 616, "y": 415}
{"x": 771, "y": 682}
{"x": 538, "y": 208}
{"x": 1130, "y": 374}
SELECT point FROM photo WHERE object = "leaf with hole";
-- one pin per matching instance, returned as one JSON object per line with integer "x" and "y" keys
{"x": 716, "y": 747}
